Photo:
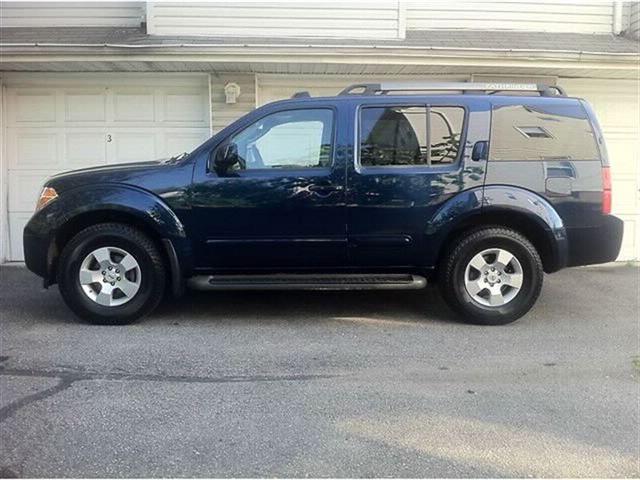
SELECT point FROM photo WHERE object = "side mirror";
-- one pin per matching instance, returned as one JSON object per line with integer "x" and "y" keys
{"x": 480, "y": 151}
{"x": 225, "y": 157}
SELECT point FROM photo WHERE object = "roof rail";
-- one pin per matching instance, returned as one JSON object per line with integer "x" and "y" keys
{"x": 464, "y": 87}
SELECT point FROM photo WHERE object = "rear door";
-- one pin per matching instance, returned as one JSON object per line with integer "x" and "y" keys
{"x": 411, "y": 157}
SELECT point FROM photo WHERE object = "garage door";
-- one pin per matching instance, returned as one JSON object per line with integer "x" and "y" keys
{"x": 57, "y": 123}
{"x": 615, "y": 101}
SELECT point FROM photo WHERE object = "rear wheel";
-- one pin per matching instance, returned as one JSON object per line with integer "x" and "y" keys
{"x": 111, "y": 274}
{"x": 492, "y": 276}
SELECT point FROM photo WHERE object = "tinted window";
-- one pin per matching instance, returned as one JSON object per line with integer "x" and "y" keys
{"x": 292, "y": 139}
{"x": 397, "y": 136}
{"x": 521, "y": 132}
{"x": 393, "y": 136}
{"x": 446, "y": 129}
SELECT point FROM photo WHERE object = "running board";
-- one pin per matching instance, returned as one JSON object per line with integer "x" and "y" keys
{"x": 308, "y": 282}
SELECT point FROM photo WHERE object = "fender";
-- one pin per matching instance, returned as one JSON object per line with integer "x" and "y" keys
{"x": 500, "y": 204}
{"x": 132, "y": 202}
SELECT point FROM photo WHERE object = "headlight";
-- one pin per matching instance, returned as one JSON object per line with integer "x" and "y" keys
{"x": 47, "y": 196}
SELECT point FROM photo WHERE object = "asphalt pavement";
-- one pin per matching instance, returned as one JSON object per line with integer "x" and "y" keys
{"x": 324, "y": 384}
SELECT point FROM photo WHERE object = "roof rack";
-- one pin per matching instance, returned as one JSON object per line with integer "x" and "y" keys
{"x": 464, "y": 87}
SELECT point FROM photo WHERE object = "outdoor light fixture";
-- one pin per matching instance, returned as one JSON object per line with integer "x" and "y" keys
{"x": 232, "y": 92}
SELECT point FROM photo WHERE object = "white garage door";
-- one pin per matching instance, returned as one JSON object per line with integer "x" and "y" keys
{"x": 63, "y": 122}
{"x": 616, "y": 103}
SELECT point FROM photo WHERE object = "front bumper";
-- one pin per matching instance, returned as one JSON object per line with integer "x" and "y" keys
{"x": 38, "y": 253}
{"x": 595, "y": 244}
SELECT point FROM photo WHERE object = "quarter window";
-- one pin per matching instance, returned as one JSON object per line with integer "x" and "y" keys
{"x": 446, "y": 129}
{"x": 547, "y": 132}
{"x": 406, "y": 136}
{"x": 291, "y": 139}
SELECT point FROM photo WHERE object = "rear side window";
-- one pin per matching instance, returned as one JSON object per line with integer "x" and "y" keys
{"x": 408, "y": 136}
{"x": 522, "y": 132}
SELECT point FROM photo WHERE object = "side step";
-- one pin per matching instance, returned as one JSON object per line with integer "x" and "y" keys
{"x": 308, "y": 282}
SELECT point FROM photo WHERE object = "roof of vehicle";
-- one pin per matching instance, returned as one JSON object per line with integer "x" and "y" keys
{"x": 469, "y": 90}
{"x": 428, "y": 97}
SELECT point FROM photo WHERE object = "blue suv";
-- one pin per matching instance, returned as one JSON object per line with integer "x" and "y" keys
{"x": 480, "y": 188}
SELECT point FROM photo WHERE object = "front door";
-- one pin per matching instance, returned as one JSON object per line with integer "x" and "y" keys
{"x": 272, "y": 196}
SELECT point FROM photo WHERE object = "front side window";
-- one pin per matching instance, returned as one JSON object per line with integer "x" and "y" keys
{"x": 291, "y": 139}
{"x": 549, "y": 132}
{"x": 405, "y": 136}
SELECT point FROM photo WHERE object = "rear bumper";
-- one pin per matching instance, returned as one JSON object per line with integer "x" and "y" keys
{"x": 595, "y": 244}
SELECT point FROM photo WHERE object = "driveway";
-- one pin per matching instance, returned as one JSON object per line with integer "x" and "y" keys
{"x": 324, "y": 384}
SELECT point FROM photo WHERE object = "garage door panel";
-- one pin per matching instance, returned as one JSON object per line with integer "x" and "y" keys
{"x": 185, "y": 105}
{"x": 87, "y": 106}
{"x": 85, "y": 148}
{"x": 625, "y": 196}
{"x": 24, "y": 199}
{"x": 134, "y": 146}
{"x": 622, "y": 147}
{"x": 29, "y": 107}
{"x": 134, "y": 106}
{"x": 17, "y": 221}
{"x": 177, "y": 141}
{"x": 33, "y": 149}
{"x": 630, "y": 238}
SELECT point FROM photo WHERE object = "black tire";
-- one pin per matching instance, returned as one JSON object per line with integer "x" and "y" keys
{"x": 452, "y": 270}
{"x": 129, "y": 239}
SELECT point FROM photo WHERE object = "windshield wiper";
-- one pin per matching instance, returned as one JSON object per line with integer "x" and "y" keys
{"x": 180, "y": 156}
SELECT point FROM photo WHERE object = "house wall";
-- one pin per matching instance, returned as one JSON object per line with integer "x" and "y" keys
{"x": 390, "y": 19}
{"x": 543, "y": 15}
{"x": 350, "y": 19}
{"x": 71, "y": 14}
{"x": 283, "y": 18}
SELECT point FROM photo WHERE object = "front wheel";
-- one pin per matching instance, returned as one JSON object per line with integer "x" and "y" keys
{"x": 492, "y": 276}
{"x": 111, "y": 274}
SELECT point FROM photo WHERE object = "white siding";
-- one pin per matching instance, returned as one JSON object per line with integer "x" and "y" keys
{"x": 71, "y": 14}
{"x": 539, "y": 15}
{"x": 286, "y": 18}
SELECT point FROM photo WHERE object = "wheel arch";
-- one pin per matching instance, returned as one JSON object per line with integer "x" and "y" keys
{"x": 525, "y": 224}
{"x": 506, "y": 206}
{"x": 83, "y": 207}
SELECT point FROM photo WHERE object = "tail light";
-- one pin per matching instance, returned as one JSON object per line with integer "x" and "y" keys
{"x": 606, "y": 190}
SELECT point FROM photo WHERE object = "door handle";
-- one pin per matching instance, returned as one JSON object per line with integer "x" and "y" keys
{"x": 325, "y": 189}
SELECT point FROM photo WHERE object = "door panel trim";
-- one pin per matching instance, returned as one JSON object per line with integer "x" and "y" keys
{"x": 381, "y": 240}
{"x": 276, "y": 240}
